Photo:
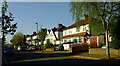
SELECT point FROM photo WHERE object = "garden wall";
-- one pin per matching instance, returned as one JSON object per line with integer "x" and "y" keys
{"x": 102, "y": 51}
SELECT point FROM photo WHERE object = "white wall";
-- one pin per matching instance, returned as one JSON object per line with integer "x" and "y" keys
{"x": 74, "y": 30}
{"x": 28, "y": 38}
{"x": 34, "y": 37}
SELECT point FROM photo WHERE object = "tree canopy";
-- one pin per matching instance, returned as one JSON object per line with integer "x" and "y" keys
{"x": 102, "y": 11}
{"x": 6, "y": 22}
{"x": 18, "y": 39}
{"x": 42, "y": 35}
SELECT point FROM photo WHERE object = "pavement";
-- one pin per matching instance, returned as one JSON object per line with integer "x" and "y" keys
{"x": 86, "y": 55}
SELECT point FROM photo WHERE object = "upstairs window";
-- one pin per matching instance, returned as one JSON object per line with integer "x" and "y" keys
{"x": 77, "y": 29}
{"x": 65, "y": 32}
{"x": 84, "y": 27}
{"x": 70, "y": 31}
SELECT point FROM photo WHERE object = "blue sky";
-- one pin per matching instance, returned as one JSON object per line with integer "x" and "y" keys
{"x": 46, "y": 14}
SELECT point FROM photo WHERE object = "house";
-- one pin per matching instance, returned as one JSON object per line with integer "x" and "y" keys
{"x": 32, "y": 39}
{"x": 76, "y": 34}
{"x": 54, "y": 35}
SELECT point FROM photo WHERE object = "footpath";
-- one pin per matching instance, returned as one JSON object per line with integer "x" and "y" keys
{"x": 86, "y": 55}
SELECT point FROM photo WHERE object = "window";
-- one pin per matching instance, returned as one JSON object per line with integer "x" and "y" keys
{"x": 61, "y": 40}
{"x": 84, "y": 27}
{"x": 65, "y": 41}
{"x": 75, "y": 40}
{"x": 79, "y": 40}
{"x": 91, "y": 39}
{"x": 95, "y": 38}
{"x": 65, "y": 32}
{"x": 70, "y": 31}
{"x": 77, "y": 30}
{"x": 69, "y": 40}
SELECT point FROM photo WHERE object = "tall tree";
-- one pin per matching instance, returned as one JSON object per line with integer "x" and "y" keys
{"x": 42, "y": 36}
{"x": 102, "y": 11}
{"x": 7, "y": 26}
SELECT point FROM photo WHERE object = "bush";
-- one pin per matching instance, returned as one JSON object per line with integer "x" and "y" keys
{"x": 115, "y": 44}
{"x": 48, "y": 45}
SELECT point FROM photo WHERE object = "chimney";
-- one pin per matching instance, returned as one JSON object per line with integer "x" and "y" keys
{"x": 59, "y": 25}
{"x": 85, "y": 16}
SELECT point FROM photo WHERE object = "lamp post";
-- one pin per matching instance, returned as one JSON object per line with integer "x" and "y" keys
{"x": 37, "y": 27}
{"x": 37, "y": 33}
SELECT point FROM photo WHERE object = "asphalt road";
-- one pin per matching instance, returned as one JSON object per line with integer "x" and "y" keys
{"x": 49, "y": 58}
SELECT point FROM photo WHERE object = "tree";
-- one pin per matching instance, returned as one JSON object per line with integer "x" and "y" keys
{"x": 42, "y": 36}
{"x": 115, "y": 33}
{"x": 6, "y": 22}
{"x": 18, "y": 39}
{"x": 48, "y": 44}
{"x": 102, "y": 11}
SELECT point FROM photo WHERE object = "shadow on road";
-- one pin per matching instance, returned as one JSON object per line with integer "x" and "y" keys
{"x": 51, "y": 58}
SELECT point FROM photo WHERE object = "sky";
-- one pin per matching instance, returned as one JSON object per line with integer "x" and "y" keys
{"x": 46, "y": 14}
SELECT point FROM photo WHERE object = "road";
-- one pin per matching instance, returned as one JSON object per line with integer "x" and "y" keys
{"x": 49, "y": 58}
{"x": 0, "y": 53}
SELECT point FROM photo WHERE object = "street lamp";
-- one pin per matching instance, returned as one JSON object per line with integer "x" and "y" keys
{"x": 37, "y": 33}
{"x": 37, "y": 27}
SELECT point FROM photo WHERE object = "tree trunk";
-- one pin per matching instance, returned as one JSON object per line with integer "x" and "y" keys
{"x": 107, "y": 44}
{"x": 42, "y": 45}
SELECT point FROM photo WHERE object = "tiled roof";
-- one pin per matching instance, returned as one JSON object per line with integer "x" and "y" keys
{"x": 77, "y": 34}
{"x": 60, "y": 28}
{"x": 97, "y": 34}
{"x": 80, "y": 22}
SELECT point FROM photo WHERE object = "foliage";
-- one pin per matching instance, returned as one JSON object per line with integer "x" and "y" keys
{"x": 18, "y": 39}
{"x": 7, "y": 26}
{"x": 42, "y": 35}
{"x": 96, "y": 27}
{"x": 115, "y": 33}
{"x": 102, "y": 11}
{"x": 48, "y": 44}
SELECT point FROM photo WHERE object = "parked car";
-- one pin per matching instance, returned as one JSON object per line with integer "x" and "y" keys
{"x": 68, "y": 45}
{"x": 59, "y": 47}
{"x": 9, "y": 50}
{"x": 104, "y": 46}
{"x": 21, "y": 48}
{"x": 32, "y": 47}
